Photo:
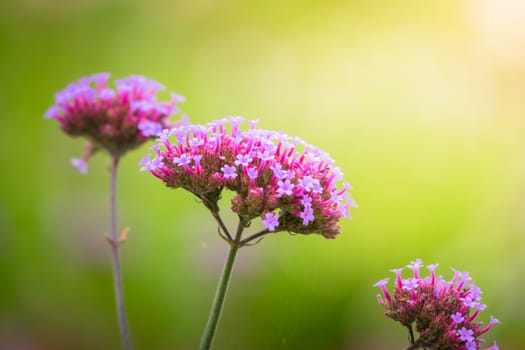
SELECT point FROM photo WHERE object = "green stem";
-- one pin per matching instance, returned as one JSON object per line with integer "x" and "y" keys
{"x": 411, "y": 334}
{"x": 257, "y": 235}
{"x": 115, "y": 258}
{"x": 218, "y": 301}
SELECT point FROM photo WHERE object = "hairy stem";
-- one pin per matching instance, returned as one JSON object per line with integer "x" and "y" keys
{"x": 115, "y": 257}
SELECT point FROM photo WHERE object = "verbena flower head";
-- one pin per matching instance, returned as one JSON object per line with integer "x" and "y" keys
{"x": 291, "y": 185}
{"x": 444, "y": 312}
{"x": 115, "y": 119}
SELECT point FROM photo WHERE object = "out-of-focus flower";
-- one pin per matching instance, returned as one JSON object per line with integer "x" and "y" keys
{"x": 291, "y": 185}
{"x": 444, "y": 312}
{"x": 115, "y": 119}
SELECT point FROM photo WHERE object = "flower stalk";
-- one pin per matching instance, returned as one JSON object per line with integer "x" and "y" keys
{"x": 218, "y": 301}
{"x": 222, "y": 287}
{"x": 115, "y": 257}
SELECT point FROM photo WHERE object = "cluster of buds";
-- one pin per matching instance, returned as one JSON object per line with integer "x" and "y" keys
{"x": 116, "y": 120}
{"x": 444, "y": 312}
{"x": 291, "y": 185}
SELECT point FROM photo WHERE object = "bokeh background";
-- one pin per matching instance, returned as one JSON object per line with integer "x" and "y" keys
{"x": 421, "y": 102}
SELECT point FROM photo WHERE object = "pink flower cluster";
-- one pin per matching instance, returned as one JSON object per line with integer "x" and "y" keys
{"x": 290, "y": 184}
{"x": 444, "y": 312}
{"x": 117, "y": 120}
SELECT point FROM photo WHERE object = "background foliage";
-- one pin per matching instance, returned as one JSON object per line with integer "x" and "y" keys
{"x": 420, "y": 102}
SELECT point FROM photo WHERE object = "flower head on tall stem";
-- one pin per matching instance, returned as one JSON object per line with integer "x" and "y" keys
{"x": 444, "y": 312}
{"x": 115, "y": 119}
{"x": 288, "y": 183}
{"x": 283, "y": 181}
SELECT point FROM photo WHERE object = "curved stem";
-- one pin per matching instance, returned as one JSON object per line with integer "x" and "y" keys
{"x": 115, "y": 257}
{"x": 256, "y": 235}
{"x": 218, "y": 301}
{"x": 222, "y": 225}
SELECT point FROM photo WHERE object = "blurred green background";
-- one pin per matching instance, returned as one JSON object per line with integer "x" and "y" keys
{"x": 421, "y": 103}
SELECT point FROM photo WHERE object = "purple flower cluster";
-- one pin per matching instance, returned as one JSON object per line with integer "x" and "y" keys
{"x": 290, "y": 184}
{"x": 117, "y": 120}
{"x": 444, "y": 311}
